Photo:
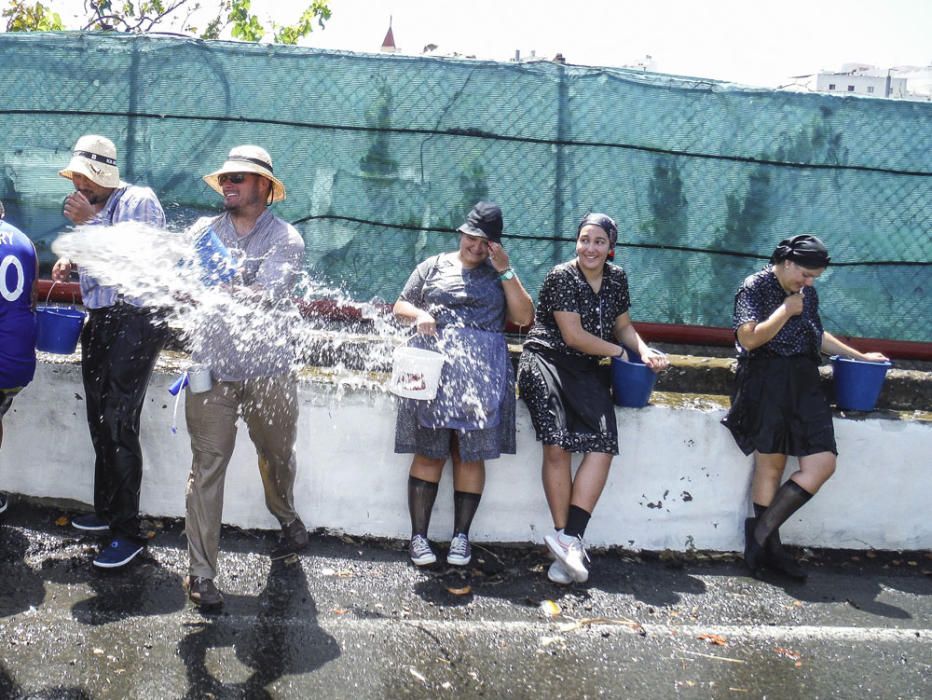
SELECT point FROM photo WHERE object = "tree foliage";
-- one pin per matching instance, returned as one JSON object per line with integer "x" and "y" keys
{"x": 141, "y": 16}
{"x": 22, "y": 17}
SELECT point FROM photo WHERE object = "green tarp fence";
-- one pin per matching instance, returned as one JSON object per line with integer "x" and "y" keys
{"x": 384, "y": 155}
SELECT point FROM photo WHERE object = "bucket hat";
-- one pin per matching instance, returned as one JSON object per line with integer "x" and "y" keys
{"x": 95, "y": 157}
{"x": 248, "y": 159}
{"x": 484, "y": 221}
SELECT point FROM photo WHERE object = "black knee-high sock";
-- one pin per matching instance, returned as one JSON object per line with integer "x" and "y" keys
{"x": 464, "y": 508}
{"x": 421, "y": 497}
{"x": 759, "y": 510}
{"x": 789, "y": 498}
{"x": 576, "y": 522}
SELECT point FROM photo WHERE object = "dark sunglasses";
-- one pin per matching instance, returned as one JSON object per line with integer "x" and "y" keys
{"x": 235, "y": 178}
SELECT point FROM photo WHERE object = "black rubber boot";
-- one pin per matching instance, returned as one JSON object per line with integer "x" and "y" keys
{"x": 781, "y": 560}
{"x": 754, "y": 553}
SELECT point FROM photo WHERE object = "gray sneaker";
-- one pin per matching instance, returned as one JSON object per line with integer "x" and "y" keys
{"x": 420, "y": 552}
{"x": 293, "y": 539}
{"x": 460, "y": 552}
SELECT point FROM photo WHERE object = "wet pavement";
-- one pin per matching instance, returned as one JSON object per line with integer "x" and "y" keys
{"x": 353, "y": 619}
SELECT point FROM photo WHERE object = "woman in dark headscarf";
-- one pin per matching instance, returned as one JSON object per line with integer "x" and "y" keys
{"x": 778, "y": 407}
{"x": 582, "y": 317}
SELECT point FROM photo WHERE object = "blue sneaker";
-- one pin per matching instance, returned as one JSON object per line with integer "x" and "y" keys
{"x": 89, "y": 522}
{"x": 119, "y": 552}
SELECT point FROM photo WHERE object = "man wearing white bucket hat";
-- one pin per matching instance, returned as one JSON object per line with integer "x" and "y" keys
{"x": 19, "y": 270}
{"x": 120, "y": 343}
{"x": 251, "y": 371}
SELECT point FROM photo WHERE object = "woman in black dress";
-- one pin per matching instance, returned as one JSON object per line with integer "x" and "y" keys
{"x": 582, "y": 317}
{"x": 778, "y": 406}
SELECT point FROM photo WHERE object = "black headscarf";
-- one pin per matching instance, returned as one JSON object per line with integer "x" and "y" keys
{"x": 805, "y": 250}
{"x": 604, "y": 222}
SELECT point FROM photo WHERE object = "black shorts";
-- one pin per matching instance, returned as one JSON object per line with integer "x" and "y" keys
{"x": 778, "y": 407}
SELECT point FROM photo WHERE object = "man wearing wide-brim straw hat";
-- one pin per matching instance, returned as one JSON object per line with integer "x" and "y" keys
{"x": 250, "y": 367}
{"x": 249, "y": 160}
{"x": 119, "y": 346}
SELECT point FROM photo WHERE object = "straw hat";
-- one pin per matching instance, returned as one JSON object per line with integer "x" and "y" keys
{"x": 248, "y": 159}
{"x": 95, "y": 158}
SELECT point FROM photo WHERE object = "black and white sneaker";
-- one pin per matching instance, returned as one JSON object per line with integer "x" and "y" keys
{"x": 460, "y": 552}
{"x": 3, "y": 502}
{"x": 420, "y": 552}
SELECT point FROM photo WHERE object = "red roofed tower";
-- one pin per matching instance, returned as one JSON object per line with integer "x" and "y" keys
{"x": 388, "y": 43}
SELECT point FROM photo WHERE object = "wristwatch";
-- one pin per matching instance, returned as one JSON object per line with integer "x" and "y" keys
{"x": 506, "y": 275}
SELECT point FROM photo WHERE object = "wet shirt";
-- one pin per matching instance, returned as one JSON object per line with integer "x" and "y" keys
{"x": 468, "y": 305}
{"x": 761, "y": 295}
{"x": 566, "y": 289}
{"x": 455, "y": 295}
{"x": 252, "y": 336}
{"x": 17, "y": 319}
{"x": 128, "y": 203}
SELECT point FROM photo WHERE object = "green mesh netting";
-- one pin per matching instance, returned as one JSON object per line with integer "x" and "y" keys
{"x": 384, "y": 155}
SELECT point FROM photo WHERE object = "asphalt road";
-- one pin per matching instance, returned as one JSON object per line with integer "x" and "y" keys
{"x": 353, "y": 619}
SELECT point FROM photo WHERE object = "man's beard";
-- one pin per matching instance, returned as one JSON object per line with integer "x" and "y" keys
{"x": 92, "y": 197}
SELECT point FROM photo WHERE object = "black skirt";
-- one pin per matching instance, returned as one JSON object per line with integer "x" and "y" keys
{"x": 569, "y": 399}
{"x": 778, "y": 407}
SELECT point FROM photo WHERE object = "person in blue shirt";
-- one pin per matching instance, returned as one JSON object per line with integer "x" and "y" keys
{"x": 119, "y": 346}
{"x": 19, "y": 269}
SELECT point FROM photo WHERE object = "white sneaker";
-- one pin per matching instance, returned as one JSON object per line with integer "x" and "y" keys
{"x": 558, "y": 574}
{"x": 571, "y": 554}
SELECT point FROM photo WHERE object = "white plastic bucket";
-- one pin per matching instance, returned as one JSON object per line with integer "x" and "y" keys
{"x": 199, "y": 379}
{"x": 416, "y": 373}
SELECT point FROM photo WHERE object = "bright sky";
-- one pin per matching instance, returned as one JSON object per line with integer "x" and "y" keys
{"x": 756, "y": 42}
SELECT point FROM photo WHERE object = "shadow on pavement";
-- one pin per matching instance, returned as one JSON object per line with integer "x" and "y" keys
{"x": 20, "y": 587}
{"x": 9, "y": 689}
{"x": 280, "y": 636}
{"x": 861, "y": 590}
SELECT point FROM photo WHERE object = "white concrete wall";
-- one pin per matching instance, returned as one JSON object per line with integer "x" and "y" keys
{"x": 679, "y": 482}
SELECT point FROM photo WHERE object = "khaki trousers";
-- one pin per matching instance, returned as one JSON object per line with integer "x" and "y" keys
{"x": 269, "y": 406}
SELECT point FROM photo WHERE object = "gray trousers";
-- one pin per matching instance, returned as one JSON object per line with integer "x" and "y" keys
{"x": 269, "y": 406}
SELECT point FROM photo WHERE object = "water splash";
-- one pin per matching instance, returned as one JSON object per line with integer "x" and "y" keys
{"x": 348, "y": 341}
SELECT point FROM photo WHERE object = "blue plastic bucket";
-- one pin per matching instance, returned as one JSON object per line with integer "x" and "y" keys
{"x": 216, "y": 262}
{"x": 858, "y": 383}
{"x": 59, "y": 329}
{"x": 632, "y": 382}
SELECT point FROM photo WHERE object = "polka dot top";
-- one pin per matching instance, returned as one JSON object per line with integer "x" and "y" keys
{"x": 761, "y": 295}
{"x": 566, "y": 289}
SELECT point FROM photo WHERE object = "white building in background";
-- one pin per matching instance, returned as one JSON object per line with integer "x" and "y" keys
{"x": 862, "y": 79}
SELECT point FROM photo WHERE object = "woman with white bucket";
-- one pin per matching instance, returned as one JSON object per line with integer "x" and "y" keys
{"x": 582, "y": 317}
{"x": 778, "y": 407}
{"x": 458, "y": 303}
